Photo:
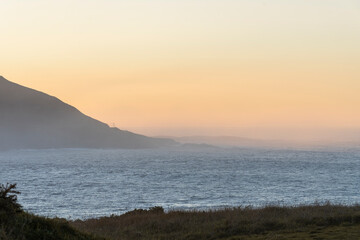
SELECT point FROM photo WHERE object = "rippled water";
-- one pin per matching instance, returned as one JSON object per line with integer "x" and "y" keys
{"x": 84, "y": 183}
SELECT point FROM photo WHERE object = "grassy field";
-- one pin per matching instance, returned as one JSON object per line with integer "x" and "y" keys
{"x": 302, "y": 222}
{"x": 316, "y": 221}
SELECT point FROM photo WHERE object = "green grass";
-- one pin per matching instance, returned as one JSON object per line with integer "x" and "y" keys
{"x": 27, "y": 226}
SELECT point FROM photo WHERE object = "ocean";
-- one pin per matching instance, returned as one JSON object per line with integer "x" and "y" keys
{"x": 90, "y": 183}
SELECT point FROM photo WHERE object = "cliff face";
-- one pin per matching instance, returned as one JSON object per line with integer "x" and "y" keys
{"x": 32, "y": 119}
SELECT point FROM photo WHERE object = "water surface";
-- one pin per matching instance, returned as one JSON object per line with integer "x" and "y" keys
{"x": 84, "y": 183}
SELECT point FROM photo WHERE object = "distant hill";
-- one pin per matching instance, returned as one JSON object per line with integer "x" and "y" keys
{"x": 32, "y": 119}
{"x": 226, "y": 141}
{"x": 232, "y": 141}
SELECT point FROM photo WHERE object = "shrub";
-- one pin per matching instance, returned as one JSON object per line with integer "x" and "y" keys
{"x": 152, "y": 210}
{"x": 8, "y": 199}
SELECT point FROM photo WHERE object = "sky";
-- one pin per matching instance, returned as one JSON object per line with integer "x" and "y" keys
{"x": 262, "y": 68}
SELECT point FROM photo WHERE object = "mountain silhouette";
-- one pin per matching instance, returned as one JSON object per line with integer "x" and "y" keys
{"x": 30, "y": 119}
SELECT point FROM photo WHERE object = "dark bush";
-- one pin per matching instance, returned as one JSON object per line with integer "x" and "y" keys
{"x": 152, "y": 210}
{"x": 8, "y": 199}
{"x": 16, "y": 224}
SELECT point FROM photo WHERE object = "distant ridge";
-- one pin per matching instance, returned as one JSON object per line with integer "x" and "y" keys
{"x": 32, "y": 119}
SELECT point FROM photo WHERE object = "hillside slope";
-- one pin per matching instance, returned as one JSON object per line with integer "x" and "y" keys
{"x": 32, "y": 119}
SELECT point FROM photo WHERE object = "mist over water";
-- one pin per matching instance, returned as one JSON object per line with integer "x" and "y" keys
{"x": 84, "y": 183}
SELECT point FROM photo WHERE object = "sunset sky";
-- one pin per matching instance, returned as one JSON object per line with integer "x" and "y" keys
{"x": 191, "y": 67}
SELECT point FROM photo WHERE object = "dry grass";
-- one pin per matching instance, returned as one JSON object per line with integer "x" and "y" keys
{"x": 235, "y": 223}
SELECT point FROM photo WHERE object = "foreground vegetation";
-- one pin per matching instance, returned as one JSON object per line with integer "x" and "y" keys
{"x": 15, "y": 224}
{"x": 318, "y": 221}
{"x": 302, "y": 222}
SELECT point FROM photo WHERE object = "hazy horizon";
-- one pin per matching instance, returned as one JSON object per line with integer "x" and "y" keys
{"x": 263, "y": 133}
{"x": 223, "y": 136}
{"x": 257, "y": 69}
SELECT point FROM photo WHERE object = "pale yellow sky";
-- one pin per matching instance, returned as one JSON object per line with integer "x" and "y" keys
{"x": 190, "y": 67}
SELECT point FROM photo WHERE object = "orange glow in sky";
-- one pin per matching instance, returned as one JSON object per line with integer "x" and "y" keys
{"x": 190, "y": 67}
